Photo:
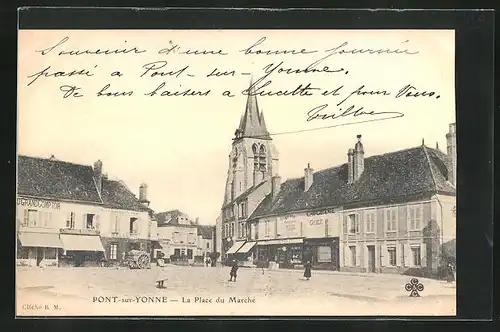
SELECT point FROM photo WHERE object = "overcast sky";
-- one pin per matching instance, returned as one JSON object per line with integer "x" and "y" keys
{"x": 179, "y": 146}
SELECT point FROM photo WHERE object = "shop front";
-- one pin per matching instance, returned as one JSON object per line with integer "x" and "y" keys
{"x": 247, "y": 253}
{"x": 82, "y": 250}
{"x": 283, "y": 253}
{"x": 38, "y": 249}
{"x": 323, "y": 253}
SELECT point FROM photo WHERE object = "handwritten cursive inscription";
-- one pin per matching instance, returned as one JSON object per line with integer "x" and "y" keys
{"x": 46, "y": 73}
{"x": 253, "y": 50}
{"x": 45, "y": 51}
{"x": 354, "y": 111}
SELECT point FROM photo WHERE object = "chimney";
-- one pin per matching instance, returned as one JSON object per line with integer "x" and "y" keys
{"x": 98, "y": 175}
{"x": 143, "y": 194}
{"x": 359, "y": 159}
{"x": 275, "y": 186}
{"x": 437, "y": 146}
{"x": 197, "y": 221}
{"x": 308, "y": 177}
{"x": 451, "y": 151}
{"x": 350, "y": 166}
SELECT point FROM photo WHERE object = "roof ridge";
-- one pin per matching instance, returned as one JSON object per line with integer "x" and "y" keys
{"x": 341, "y": 165}
{"x": 54, "y": 160}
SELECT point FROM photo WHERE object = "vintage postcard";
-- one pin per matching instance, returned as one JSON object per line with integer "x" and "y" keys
{"x": 236, "y": 172}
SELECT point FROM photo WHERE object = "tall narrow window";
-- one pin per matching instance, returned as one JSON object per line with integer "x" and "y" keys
{"x": 353, "y": 224}
{"x": 370, "y": 222}
{"x": 255, "y": 157}
{"x": 353, "y": 255}
{"x": 32, "y": 218}
{"x": 262, "y": 159}
{"x": 133, "y": 226}
{"x": 390, "y": 220}
{"x": 415, "y": 217}
{"x": 415, "y": 251}
{"x": 113, "y": 251}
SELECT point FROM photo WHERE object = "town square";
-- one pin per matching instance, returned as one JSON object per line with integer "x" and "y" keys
{"x": 237, "y": 202}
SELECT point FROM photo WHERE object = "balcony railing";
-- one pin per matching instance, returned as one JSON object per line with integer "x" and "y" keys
{"x": 85, "y": 231}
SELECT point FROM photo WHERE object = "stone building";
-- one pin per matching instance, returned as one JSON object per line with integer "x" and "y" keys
{"x": 182, "y": 238}
{"x": 73, "y": 214}
{"x": 382, "y": 213}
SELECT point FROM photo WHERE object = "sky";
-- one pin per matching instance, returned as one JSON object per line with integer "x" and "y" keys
{"x": 179, "y": 146}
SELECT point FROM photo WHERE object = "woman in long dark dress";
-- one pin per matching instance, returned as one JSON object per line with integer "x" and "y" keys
{"x": 307, "y": 271}
{"x": 234, "y": 270}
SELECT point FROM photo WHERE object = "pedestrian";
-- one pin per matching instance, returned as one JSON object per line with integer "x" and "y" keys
{"x": 307, "y": 271}
{"x": 450, "y": 275}
{"x": 234, "y": 270}
{"x": 207, "y": 261}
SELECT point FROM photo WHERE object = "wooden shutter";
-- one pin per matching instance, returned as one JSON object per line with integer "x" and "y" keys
{"x": 84, "y": 220}
{"x": 359, "y": 251}
{"x": 344, "y": 225}
{"x": 398, "y": 254}
{"x": 97, "y": 223}
{"x": 347, "y": 255}
{"x": 407, "y": 255}
{"x": 423, "y": 255}
{"x": 384, "y": 260}
{"x": 365, "y": 254}
{"x": 25, "y": 218}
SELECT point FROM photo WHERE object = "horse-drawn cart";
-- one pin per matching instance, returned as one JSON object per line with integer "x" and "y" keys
{"x": 138, "y": 259}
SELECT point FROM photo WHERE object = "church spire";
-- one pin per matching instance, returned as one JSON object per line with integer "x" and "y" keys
{"x": 252, "y": 122}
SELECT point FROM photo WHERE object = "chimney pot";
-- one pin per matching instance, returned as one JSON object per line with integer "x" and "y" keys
{"x": 308, "y": 177}
{"x": 143, "y": 194}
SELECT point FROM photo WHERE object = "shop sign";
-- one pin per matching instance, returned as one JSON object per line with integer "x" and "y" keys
{"x": 38, "y": 203}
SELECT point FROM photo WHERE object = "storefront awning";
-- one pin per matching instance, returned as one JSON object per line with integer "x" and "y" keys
{"x": 246, "y": 247}
{"x": 282, "y": 241}
{"x": 237, "y": 245}
{"x": 47, "y": 240}
{"x": 75, "y": 242}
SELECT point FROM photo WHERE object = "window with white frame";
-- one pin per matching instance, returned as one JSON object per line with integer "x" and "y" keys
{"x": 46, "y": 218}
{"x": 30, "y": 218}
{"x": 113, "y": 251}
{"x": 191, "y": 238}
{"x": 415, "y": 217}
{"x": 267, "y": 228}
{"x": 391, "y": 220}
{"x": 370, "y": 221}
{"x": 353, "y": 223}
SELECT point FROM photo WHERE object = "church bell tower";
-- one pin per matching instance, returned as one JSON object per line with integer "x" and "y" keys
{"x": 253, "y": 158}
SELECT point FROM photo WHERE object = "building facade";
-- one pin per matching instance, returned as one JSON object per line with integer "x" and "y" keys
{"x": 181, "y": 238}
{"x": 384, "y": 213}
{"x": 72, "y": 214}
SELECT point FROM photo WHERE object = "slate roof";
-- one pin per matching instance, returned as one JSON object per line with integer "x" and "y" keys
{"x": 206, "y": 232}
{"x": 172, "y": 218}
{"x": 245, "y": 194}
{"x": 388, "y": 178}
{"x": 56, "y": 179}
{"x": 115, "y": 194}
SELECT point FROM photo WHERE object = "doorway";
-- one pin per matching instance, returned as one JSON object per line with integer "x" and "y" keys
{"x": 39, "y": 256}
{"x": 371, "y": 258}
